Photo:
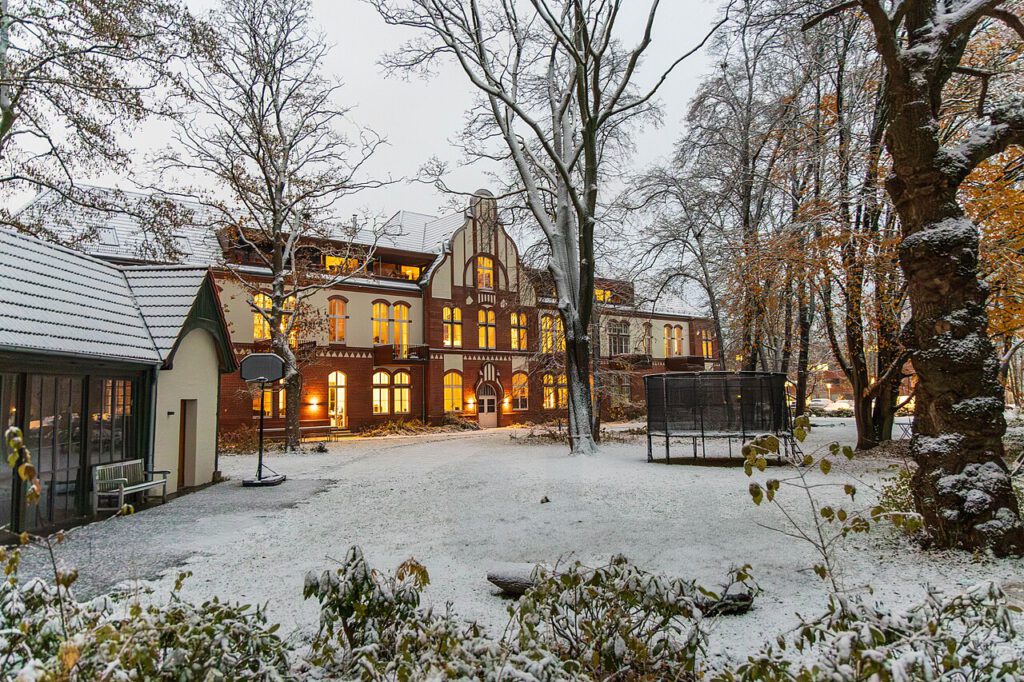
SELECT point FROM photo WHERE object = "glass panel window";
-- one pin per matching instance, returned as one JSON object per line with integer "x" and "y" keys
{"x": 487, "y": 329}
{"x": 484, "y": 272}
{"x": 410, "y": 272}
{"x": 337, "y": 265}
{"x": 520, "y": 391}
{"x": 451, "y": 321}
{"x": 619, "y": 389}
{"x": 336, "y": 320}
{"x": 618, "y": 337}
{"x": 268, "y": 402}
{"x": 403, "y": 382}
{"x": 260, "y": 317}
{"x": 336, "y": 399}
{"x": 602, "y": 295}
{"x": 453, "y": 392}
{"x": 552, "y": 334}
{"x": 707, "y": 344}
{"x": 380, "y": 319}
{"x": 678, "y": 340}
{"x": 668, "y": 340}
{"x": 381, "y": 392}
{"x": 556, "y": 394}
{"x": 402, "y": 324}
{"x": 518, "y": 331}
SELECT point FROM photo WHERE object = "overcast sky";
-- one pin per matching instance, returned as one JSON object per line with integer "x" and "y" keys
{"x": 420, "y": 117}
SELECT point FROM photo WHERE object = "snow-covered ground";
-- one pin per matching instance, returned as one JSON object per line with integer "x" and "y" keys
{"x": 461, "y": 503}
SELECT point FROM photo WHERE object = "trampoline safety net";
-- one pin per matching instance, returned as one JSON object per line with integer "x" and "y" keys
{"x": 713, "y": 404}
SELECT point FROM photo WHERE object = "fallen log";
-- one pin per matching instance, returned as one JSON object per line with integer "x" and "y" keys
{"x": 515, "y": 579}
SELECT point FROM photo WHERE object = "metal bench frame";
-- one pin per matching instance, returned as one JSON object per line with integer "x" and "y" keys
{"x": 118, "y": 479}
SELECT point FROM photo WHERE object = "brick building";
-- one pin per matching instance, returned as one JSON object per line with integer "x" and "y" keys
{"x": 444, "y": 319}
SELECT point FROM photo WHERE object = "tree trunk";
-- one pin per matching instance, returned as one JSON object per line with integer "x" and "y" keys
{"x": 577, "y": 372}
{"x": 962, "y": 487}
{"x": 805, "y": 316}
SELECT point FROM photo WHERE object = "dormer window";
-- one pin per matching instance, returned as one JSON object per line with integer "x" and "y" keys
{"x": 484, "y": 272}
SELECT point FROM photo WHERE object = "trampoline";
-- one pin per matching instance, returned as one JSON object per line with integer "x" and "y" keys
{"x": 694, "y": 407}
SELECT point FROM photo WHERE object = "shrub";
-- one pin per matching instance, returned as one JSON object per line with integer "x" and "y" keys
{"x": 241, "y": 441}
{"x": 942, "y": 638}
{"x": 615, "y": 622}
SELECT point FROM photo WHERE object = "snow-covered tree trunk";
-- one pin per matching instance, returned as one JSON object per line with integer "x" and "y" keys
{"x": 962, "y": 486}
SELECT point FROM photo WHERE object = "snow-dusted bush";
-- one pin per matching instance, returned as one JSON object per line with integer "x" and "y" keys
{"x": 615, "y": 622}
{"x": 943, "y": 638}
{"x": 372, "y": 626}
{"x": 46, "y": 634}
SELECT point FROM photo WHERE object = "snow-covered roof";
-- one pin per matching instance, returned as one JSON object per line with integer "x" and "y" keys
{"x": 60, "y": 301}
{"x": 121, "y": 235}
{"x": 165, "y": 295}
{"x": 419, "y": 232}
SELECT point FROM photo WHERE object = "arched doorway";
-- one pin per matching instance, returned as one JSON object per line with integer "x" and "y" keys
{"x": 487, "y": 406}
{"x": 337, "y": 406}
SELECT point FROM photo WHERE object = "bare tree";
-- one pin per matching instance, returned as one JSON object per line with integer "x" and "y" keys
{"x": 961, "y": 487}
{"x": 558, "y": 90}
{"x": 266, "y": 129}
{"x": 76, "y": 76}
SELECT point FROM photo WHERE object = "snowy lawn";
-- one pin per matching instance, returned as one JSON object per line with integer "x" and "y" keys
{"x": 461, "y": 503}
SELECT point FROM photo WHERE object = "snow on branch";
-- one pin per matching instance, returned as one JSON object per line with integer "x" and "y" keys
{"x": 1004, "y": 129}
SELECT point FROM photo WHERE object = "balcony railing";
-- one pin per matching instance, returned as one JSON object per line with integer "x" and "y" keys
{"x": 391, "y": 354}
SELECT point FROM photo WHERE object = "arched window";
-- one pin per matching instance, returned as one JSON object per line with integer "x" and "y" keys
{"x": 518, "y": 331}
{"x": 486, "y": 326}
{"x": 336, "y": 319}
{"x": 484, "y": 272}
{"x": 336, "y": 403}
{"x": 451, "y": 321}
{"x": 401, "y": 393}
{"x": 520, "y": 391}
{"x": 402, "y": 324}
{"x": 260, "y": 321}
{"x": 668, "y": 340}
{"x": 381, "y": 392}
{"x": 452, "y": 391}
{"x": 556, "y": 394}
{"x": 648, "y": 342}
{"x": 552, "y": 334}
{"x": 380, "y": 321}
{"x": 618, "y": 337}
{"x": 678, "y": 345}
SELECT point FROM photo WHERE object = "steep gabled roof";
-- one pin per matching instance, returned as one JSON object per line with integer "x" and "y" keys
{"x": 165, "y": 295}
{"x": 419, "y": 232}
{"x": 60, "y": 301}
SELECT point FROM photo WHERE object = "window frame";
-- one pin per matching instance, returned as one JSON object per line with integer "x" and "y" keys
{"x": 451, "y": 326}
{"x": 485, "y": 273}
{"x": 401, "y": 318}
{"x": 520, "y": 392}
{"x": 401, "y": 390}
{"x": 452, "y": 392}
{"x": 335, "y": 320}
{"x": 618, "y": 337}
{"x": 519, "y": 331}
{"x": 487, "y": 329}
{"x": 380, "y": 393}
{"x": 380, "y": 326}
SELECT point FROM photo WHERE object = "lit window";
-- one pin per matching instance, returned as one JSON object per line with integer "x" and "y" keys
{"x": 267, "y": 398}
{"x": 380, "y": 322}
{"x": 402, "y": 391}
{"x": 520, "y": 391}
{"x": 451, "y": 319}
{"x": 336, "y": 265}
{"x": 486, "y": 327}
{"x": 410, "y": 272}
{"x": 484, "y": 272}
{"x": 707, "y": 344}
{"x": 668, "y": 340}
{"x": 282, "y": 402}
{"x": 453, "y": 392}
{"x": 648, "y": 338}
{"x": 381, "y": 392}
{"x": 336, "y": 320}
{"x": 518, "y": 331}
{"x": 602, "y": 295}
{"x": 260, "y": 317}
{"x": 556, "y": 393}
{"x": 552, "y": 334}
{"x": 336, "y": 399}
{"x": 618, "y": 337}
{"x": 402, "y": 325}
{"x": 678, "y": 345}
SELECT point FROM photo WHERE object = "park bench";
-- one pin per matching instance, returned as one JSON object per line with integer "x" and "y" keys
{"x": 317, "y": 432}
{"x": 118, "y": 479}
